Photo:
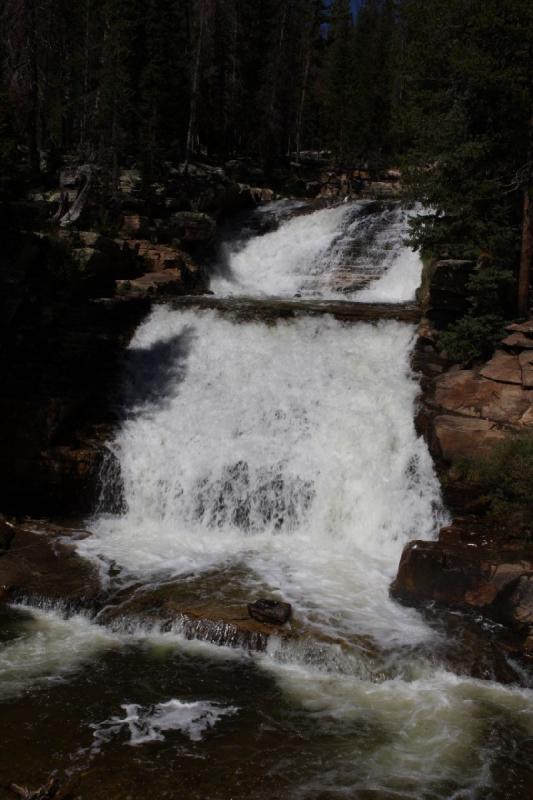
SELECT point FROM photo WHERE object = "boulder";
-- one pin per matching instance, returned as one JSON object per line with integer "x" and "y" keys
{"x": 504, "y": 367}
{"x": 470, "y": 566}
{"x": 455, "y": 437}
{"x": 273, "y": 612}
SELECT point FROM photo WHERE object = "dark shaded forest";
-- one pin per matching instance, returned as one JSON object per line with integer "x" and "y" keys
{"x": 443, "y": 89}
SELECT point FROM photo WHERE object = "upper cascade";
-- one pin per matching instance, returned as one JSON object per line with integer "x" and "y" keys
{"x": 353, "y": 251}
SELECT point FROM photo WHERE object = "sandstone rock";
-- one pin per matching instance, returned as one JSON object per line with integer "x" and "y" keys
{"x": 170, "y": 281}
{"x": 465, "y": 393}
{"x": 525, "y": 328}
{"x": 464, "y": 437}
{"x": 160, "y": 257}
{"x": 526, "y": 365}
{"x": 504, "y": 367}
{"x": 273, "y": 612}
{"x": 193, "y": 226}
{"x": 470, "y": 566}
{"x": 518, "y": 341}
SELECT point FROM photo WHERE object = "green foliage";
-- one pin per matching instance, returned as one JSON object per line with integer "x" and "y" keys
{"x": 472, "y": 337}
{"x": 475, "y": 335}
{"x": 505, "y": 479}
{"x": 464, "y": 122}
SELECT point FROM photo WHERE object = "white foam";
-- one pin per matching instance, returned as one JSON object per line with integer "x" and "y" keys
{"x": 151, "y": 723}
{"x": 290, "y": 448}
{"x": 50, "y": 646}
{"x": 329, "y": 254}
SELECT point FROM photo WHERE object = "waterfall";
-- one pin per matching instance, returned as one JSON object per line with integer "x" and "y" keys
{"x": 277, "y": 459}
{"x": 354, "y": 250}
{"x": 289, "y": 449}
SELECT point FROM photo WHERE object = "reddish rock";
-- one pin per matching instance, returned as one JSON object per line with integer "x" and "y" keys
{"x": 526, "y": 365}
{"x": 503, "y": 367}
{"x": 464, "y": 437}
{"x": 465, "y": 393}
{"x": 521, "y": 327}
{"x": 169, "y": 281}
{"x": 518, "y": 341}
{"x": 471, "y": 566}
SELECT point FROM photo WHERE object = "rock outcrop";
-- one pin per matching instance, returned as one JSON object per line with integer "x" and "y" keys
{"x": 465, "y": 412}
{"x": 475, "y": 568}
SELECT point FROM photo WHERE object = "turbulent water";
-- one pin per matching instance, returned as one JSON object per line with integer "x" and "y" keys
{"x": 279, "y": 459}
{"x": 332, "y": 252}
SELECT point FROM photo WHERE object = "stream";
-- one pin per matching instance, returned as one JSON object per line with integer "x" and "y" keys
{"x": 267, "y": 458}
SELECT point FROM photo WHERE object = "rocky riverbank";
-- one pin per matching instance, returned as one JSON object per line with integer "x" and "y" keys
{"x": 481, "y": 564}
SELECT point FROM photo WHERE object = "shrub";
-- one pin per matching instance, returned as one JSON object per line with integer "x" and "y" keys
{"x": 475, "y": 334}
{"x": 505, "y": 479}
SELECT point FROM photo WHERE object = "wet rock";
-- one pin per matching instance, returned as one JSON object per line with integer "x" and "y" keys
{"x": 7, "y": 532}
{"x": 471, "y": 566}
{"x": 38, "y": 566}
{"x": 273, "y": 612}
{"x": 169, "y": 605}
{"x": 503, "y": 367}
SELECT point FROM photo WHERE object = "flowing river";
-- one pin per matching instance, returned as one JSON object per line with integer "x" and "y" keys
{"x": 280, "y": 459}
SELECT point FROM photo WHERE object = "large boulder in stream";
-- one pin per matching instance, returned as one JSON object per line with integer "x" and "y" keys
{"x": 474, "y": 568}
{"x": 38, "y": 566}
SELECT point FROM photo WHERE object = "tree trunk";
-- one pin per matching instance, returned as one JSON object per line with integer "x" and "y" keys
{"x": 191, "y": 131}
{"x": 301, "y": 108}
{"x": 525, "y": 258}
{"x": 523, "y": 305}
{"x": 33, "y": 122}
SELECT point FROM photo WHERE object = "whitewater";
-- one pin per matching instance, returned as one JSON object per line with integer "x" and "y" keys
{"x": 283, "y": 458}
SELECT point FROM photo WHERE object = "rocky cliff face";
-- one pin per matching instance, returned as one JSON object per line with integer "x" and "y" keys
{"x": 476, "y": 565}
{"x": 73, "y": 288}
